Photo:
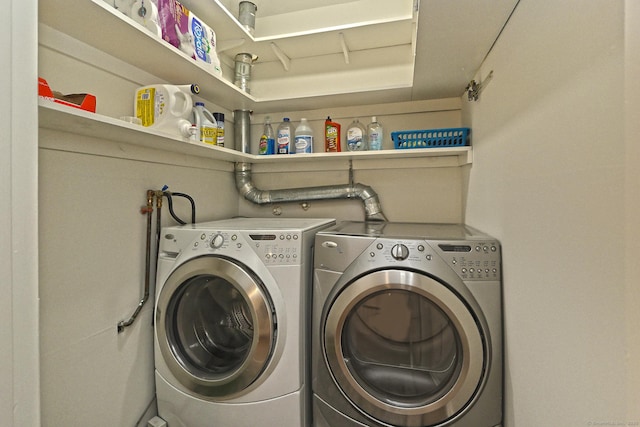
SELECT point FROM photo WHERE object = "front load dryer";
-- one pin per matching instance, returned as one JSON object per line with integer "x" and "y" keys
{"x": 407, "y": 326}
{"x": 231, "y": 319}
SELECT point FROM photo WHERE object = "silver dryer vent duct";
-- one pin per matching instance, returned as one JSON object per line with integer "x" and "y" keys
{"x": 245, "y": 186}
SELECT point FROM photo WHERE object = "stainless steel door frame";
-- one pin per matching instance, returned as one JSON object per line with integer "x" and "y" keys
{"x": 204, "y": 381}
{"x": 473, "y": 348}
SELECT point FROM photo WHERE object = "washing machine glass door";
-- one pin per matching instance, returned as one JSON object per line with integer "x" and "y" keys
{"x": 404, "y": 348}
{"x": 216, "y": 327}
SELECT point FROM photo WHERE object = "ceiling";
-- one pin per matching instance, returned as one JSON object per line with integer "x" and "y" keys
{"x": 453, "y": 37}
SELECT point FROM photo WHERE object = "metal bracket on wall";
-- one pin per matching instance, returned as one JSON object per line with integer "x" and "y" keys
{"x": 474, "y": 88}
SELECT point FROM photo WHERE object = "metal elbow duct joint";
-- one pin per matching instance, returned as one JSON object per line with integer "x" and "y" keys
{"x": 245, "y": 186}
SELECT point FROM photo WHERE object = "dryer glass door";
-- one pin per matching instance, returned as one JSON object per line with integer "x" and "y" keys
{"x": 216, "y": 326}
{"x": 404, "y": 348}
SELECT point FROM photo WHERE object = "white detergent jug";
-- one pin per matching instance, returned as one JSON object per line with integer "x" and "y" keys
{"x": 206, "y": 124}
{"x": 166, "y": 107}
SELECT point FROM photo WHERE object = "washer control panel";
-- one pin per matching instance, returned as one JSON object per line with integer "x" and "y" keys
{"x": 273, "y": 248}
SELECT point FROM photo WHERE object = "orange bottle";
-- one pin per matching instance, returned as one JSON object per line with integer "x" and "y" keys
{"x": 331, "y": 136}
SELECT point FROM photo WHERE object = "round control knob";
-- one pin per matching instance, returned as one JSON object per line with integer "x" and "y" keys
{"x": 400, "y": 252}
{"x": 217, "y": 241}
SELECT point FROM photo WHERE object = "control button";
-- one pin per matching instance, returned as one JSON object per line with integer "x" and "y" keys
{"x": 464, "y": 271}
{"x": 478, "y": 248}
{"x": 282, "y": 237}
{"x": 372, "y": 254}
{"x": 203, "y": 236}
{"x": 282, "y": 256}
{"x": 454, "y": 261}
{"x": 195, "y": 244}
{"x": 379, "y": 246}
{"x": 295, "y": 237}
{"x": 472, "y": 270}
{"x": 234, "y": 237}
{"x": 493, "y": 249}
{"x": 400, "y": 252}
{"x": 429, "y": 257}
{"x": 421, "y": 248}
{"x": 485, "y": 248}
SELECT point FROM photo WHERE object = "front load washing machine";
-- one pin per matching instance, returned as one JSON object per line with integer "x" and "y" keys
{"x": 407, "y": 326}
{"x": 231, "y": 319}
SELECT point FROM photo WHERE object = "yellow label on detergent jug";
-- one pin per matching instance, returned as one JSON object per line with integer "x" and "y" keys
{"x": 146, "y": 105}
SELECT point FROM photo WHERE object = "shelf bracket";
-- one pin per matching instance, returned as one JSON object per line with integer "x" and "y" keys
{"x": 345, "y": 49}
{"x": 474, "y": 88}
{"x": 284, "y": 59}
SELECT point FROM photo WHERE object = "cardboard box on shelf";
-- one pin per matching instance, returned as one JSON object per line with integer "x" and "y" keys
{"x": 83, "y": 101}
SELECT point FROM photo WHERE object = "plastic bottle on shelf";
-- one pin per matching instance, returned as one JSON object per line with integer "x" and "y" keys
{"x": 304, "y": 137}
{"x": 164, "y": 106}
{"x": 374, "y": 134}
{"x": 356, "y": 136}
{"x": 206, "y": 123}
{"x": 284, "y": 137}
{"x": 331, "y": 136}
{"x": 220, "y": 134}
{"x": 267, "y": 140}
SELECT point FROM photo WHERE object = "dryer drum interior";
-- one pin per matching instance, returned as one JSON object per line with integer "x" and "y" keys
{"x": 404, "y": 348}
{"x": 217, "y": 324}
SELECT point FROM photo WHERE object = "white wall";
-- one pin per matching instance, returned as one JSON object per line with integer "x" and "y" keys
{"x": 19, "y": 389}
{"x": 92, "y": 270}
{"x": 632, "y": 198}
{"x": 549, "y": 179}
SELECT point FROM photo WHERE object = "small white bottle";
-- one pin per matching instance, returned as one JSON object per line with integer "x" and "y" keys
{"x": 374, "y": 134}
{"x": 304, "y": 137}
{"x": 356, "y": 136}
{"x": 206, "y": 124}
{"x": 284, "y": 137}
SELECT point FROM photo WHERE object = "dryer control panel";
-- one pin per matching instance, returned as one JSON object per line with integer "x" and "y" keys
{"x": 477, "y": 260}
{"x": 472, "y": 260}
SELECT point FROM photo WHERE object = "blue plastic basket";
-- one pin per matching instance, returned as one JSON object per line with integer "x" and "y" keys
{"x": 432, "y": 138}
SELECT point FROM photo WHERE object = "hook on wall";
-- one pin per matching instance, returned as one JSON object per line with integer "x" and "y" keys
{"x": 473, "y": 88}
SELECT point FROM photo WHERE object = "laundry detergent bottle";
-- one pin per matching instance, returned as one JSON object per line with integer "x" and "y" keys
{"x": 165, "y": 107}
